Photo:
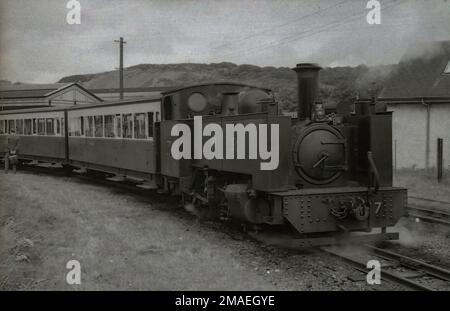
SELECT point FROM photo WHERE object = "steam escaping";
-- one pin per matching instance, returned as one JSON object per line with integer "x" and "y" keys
{"x": 427, "y": 51}
{"x": 415, "y": 233}
{"x": 190, "y": 208}
{"x": 200, "y": 213}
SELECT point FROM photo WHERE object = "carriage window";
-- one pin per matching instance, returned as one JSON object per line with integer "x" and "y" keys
{"x": 41, "y": 126}
{"x": 57, "y": 126}
{"x": 81, "y": 125}
{"x": 139, "y": 125}
{"x": 118, "y": 125}
{"x": 27, "y": 127}
{"x": 50, "y": 129}
{"x": 63, "y": 129}
{"x": 72, "y": 127}
{"x": 35, "y": 126}
{"x": 157, "y": 116}
{"x": 98, "y": 126}
{"x": 89, "y": 126}
{"x": 11, "y": 126}
{"x": 127, "y": 125}
{"x": 150, "y": 124}
{"x": 19, "y": 127}
{"x": 2, "y": 127}
{"x": 109, "y": 126}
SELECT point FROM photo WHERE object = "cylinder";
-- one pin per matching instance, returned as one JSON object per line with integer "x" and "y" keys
{"x": 308, "y": 85}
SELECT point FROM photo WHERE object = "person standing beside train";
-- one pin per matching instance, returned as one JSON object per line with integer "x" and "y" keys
{"x": 11, "y": 154}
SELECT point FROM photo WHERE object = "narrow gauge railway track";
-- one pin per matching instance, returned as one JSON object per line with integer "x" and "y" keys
{"x": 430, "y": 200}
{"x": 409, "y": 272}
{"x": 429, "y": 215}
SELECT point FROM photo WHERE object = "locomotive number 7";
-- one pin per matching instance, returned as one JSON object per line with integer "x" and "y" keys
{"x": 378, "y": 207}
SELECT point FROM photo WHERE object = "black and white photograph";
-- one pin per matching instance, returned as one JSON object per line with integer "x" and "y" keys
{"x": 233, "y": 149}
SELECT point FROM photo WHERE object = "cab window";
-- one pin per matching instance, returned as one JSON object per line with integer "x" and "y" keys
{"x": 167, "y": 106}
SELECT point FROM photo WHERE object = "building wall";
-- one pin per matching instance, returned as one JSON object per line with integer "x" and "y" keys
{"x": 65, "y": 97}
{"x": 13, "y": 104}
{"x": 409, "y": 131}
{"x": 72, "y": 95}
{"x": 440, "y": 127}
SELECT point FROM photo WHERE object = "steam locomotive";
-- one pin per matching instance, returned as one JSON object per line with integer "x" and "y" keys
{"x": 332, "y": 181}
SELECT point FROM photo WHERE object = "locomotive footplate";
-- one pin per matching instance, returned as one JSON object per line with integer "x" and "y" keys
{"x": 341, "y": 211}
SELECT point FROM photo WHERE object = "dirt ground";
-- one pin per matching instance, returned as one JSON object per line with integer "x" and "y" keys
{"x": 130, "y": 242}
{"x": 423, "y": 184}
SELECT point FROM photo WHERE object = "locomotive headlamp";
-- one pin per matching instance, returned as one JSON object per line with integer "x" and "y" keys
{"x": 197, "y": 102}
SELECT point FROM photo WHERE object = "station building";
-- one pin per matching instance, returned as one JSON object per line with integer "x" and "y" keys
{"x": 20, "y": 96}
{"x": 418, "y": 94}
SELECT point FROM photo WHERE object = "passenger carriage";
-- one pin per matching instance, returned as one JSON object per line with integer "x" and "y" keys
{"x": 41, "y": 133}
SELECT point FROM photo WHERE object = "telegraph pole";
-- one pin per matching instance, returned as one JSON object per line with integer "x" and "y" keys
{"x": 121, "y": 43}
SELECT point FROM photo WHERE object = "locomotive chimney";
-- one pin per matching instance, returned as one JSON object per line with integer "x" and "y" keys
{"x": 308, "y": 84}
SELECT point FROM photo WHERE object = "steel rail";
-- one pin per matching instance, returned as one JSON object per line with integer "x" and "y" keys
{"x": 421, "y": 267}
{"x": 429, "y": 200}
{"x": 409, "y": 262}
{"x": 429, "y": 215}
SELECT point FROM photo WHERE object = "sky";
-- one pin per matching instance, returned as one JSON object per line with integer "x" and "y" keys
{"x": 37, "y": 44}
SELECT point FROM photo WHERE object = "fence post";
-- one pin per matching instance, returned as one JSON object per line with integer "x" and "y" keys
{"x": 440, "y": 149}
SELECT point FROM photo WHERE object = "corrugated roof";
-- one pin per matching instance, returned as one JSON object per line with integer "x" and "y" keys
{"x": 12, "y": 91}
{"x": 86, "y": 106}
{"x": 420, "y": 73}
{"x": 150, "y": 89}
